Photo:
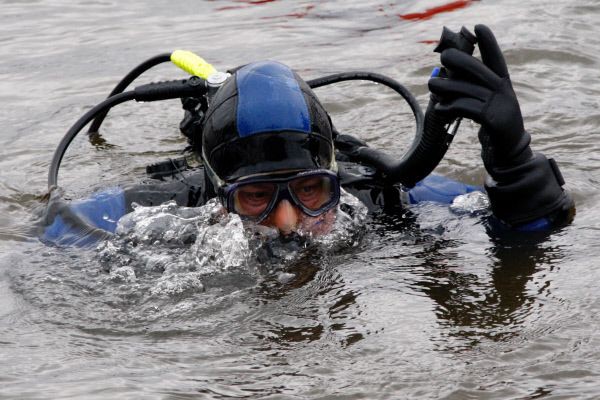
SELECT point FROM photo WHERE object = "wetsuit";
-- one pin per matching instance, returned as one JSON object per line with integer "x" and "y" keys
{"x": 84, "y": 222}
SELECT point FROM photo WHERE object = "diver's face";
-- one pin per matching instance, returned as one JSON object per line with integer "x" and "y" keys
{"x": 300, "y": 202}
{"x": 288, "y": 219}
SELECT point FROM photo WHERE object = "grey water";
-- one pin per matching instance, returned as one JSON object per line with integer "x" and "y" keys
{"x": 429, "y": 304}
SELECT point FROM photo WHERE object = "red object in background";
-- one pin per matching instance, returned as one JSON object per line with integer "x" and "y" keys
{"x": 429, "y": 41}
{"x": 437, "y": 10}
{"x": 299, "y": 14}
{"x": 247, "y": 2}
{"x": 255, "y": 1}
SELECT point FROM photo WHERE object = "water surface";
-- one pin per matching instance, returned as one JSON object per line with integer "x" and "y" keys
{"x": 430, "y": 305}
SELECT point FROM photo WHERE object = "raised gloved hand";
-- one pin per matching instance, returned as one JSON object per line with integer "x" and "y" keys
{"x": 482, "y": 91}
{"x": 525, "y": 186}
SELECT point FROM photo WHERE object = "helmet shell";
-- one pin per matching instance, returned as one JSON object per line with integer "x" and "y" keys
{"x": 265, "y": 119}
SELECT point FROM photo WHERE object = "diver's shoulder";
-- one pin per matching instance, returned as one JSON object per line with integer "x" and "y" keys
{"x": 186, "y": 188}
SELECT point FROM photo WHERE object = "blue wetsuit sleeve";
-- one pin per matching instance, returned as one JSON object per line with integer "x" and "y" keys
{"x": 443, "y": 190}
{"x": 539, "y": 225}
{"x": 439, "y": 189}
{"x": 84, "y": 222}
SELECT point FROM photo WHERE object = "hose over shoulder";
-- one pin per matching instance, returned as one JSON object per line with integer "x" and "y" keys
{"x": 427, "y": 149}
{"x": 126, "y": 81}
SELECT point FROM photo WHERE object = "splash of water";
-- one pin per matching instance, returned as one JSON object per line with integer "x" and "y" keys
{"x": 183, "y": 247}
{"x": 474, "y": 203}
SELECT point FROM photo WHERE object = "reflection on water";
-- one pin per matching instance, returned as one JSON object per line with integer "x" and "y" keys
{"x": 492, "y": 306}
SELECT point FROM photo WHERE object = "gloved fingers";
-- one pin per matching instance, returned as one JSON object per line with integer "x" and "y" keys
{"x": 490, "y": 51}
{"x": 450, "y": 88}
{"x": 468, "y": 66}
{"x": 463, "y": 107}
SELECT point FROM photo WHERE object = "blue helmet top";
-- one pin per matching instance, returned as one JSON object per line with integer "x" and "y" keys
{"x": 264, "y": 119}
{"x": 269, "y": 100}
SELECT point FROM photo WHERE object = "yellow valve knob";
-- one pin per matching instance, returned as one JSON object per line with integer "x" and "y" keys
{"x": 192, "y": 63}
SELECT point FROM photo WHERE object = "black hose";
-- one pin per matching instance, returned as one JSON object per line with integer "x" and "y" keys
{"x": 428, "y": 146}
{"x": 426, "y": 151}
{"x": 155, "y": 91}
{"x": 373, "y": 77}
{"x": 126, "y": 81}
{"x": 70, "y": 135}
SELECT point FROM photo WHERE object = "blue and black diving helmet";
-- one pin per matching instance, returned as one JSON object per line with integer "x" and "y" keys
{"x": 264, "y": 121}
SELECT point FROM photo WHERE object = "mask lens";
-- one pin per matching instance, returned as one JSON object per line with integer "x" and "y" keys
{"x": 252, "y": 199}
{"x": 313, "y": 192}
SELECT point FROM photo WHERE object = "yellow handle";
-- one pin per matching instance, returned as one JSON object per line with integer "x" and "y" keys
{"x": 192, "y": 64}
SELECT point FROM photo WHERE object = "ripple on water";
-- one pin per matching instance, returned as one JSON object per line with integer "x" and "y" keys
{"x": 167, "y": 262}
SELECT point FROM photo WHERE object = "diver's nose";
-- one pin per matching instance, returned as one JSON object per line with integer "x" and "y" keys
{"x": 285, "y": 217}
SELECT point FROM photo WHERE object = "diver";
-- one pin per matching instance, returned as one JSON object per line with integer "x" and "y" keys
{"x": 270, "y": 153}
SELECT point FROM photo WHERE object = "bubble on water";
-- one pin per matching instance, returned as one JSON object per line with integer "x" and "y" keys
{"x": 221, "y": 246}
{"x": 170, "y": 286}
{"x": 167, "y": 224}
{"x": 181, "y": 244}
{"x": 471, "y": 203}
{"x": 285, "y": 277}
{"x": 107, "y": 217}
{"x": 275, "y": 253}
{"x": 123, "y": 274}
{"x": 50, "y": 279}
{"x": 349, "y": 224}
{"x": 172, "y": 251}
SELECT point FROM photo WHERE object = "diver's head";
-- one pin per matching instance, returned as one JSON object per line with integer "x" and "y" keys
{"x": 267, "y": 148}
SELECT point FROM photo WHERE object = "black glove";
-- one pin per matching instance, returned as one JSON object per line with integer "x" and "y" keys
{"x": 483, "y": 92}
{"x": 525, "y": 186}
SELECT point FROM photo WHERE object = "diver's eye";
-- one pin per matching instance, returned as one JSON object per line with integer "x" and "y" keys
{"x": 312, "y": 192}
{"x": 253, "y": 199}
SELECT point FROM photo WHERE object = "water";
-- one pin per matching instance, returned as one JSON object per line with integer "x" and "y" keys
{"x": 428, "y": 305}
